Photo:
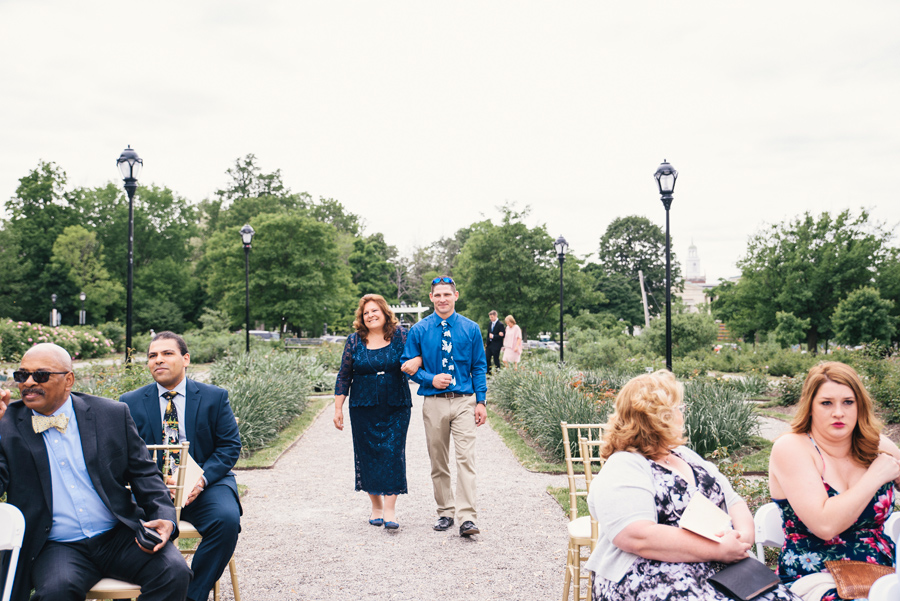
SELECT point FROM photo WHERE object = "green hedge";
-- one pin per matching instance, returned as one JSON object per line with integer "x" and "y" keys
{"x": 82, "y": 342}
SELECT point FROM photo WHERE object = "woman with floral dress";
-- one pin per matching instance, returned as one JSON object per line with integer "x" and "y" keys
{"x": 833, "y": 476}
{"x": 639, "y": 496}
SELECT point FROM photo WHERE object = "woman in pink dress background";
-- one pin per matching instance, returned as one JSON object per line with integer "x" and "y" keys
{"x": 512, "y": 344}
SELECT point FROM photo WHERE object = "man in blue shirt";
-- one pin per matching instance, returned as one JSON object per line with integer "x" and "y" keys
{"x": 65, "y": 459}
{"x": 452, "y": 380}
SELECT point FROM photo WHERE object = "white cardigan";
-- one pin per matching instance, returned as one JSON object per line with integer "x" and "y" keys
{"x": 622, "y": 493}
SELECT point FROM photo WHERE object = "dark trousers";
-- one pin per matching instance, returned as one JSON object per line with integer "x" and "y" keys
{"x": 216, "y": 514}
{"x": 66, "y": 571}
{"x": 493, "y": 352}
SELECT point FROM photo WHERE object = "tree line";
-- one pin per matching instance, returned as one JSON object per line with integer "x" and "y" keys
{"x": 814, "y": 278}
{"x": 311, "y": 259}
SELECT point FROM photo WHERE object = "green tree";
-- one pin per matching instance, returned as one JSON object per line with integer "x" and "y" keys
{"x": 804, "y": 266}
{"x": 78, "y": 260}
{"x": 38, "y": 212}
{"x": 14, "y": 284}
{"x": 690, "y": 332}
{"x": 167, "y": 293}
{"x": 371, "y": 268}
{"x": 632, "y": 244}
{"x": 616, "y": 294}
{"x": 296, "y": 275}
{"x": 790, "y": 329}
{"x": 864, "y": 317}
{"x": 514, "y": 269}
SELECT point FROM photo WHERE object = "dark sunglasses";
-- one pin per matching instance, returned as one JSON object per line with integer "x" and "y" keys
{"x": 21, "y": 376}
{"x": 443, "y": 280}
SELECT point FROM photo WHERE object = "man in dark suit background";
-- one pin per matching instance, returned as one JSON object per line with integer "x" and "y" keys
{"x": 205, "y": 419}
{"x": 69, "y": 482}
{"x": 496, "y": 332}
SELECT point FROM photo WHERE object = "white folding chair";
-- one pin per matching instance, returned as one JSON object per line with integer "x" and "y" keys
{"x": 12, "y": 531}
{"x": 769, "y": 530}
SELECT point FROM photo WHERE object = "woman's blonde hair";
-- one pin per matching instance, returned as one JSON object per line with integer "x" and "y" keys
{"x": 390, "y": 320}
{"x": 510, "y": 319}
{"x": 867, "y": 432}
{"x": 644, "y": 418}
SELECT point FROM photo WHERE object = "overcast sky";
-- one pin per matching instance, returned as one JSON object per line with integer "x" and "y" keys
{"x": 423, "y": 117}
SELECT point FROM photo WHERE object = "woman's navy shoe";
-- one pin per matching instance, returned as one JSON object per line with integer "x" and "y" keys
{"x": 377, "y": 522}
{"x": 391, "y": 525}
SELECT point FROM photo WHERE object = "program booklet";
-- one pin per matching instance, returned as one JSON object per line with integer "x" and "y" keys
{"x": 704, "y": 517}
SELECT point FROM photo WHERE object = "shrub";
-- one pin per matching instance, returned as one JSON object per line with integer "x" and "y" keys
{"x": 788, "y": 389}
{"x": 787, "y": 362}
{"x": 329, "y": 355}
{"x": 82, "y": 342}
{"x": 717, "y": 415}
{"x": 111, "y": 381}
{"x": 267, "y": 389}
{"x": 690, "y": 331}
{"x": 116, "y": 333}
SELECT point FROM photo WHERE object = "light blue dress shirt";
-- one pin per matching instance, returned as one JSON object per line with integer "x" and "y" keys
{"x": 424, "y": 339}
{"x": 78, "y": 511}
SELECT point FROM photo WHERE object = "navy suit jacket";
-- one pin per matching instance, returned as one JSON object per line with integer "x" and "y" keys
{"x": 209, "y": 426}
{"x": 114, "y": 455}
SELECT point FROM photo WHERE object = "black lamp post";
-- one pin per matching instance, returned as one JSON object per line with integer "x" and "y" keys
{"x": 129, "y": 164}
{"x": 561, "y": 246}
{"x": 665, "y": 179}
{"x": 247, "y": 237}
{"x": 53, "y": 313}
{"x": 82, "y": 319}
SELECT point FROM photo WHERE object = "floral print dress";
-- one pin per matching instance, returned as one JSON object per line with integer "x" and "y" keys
{"x": 652, "y": 580}
{"x": 804, "y": 553}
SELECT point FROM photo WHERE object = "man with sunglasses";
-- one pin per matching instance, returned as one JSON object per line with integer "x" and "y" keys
{"x": 452, "y": 380}
{"x": 65, "y": 460}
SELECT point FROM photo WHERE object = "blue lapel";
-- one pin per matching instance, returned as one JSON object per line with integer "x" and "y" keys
{"x": 154, "y": 417}
{"x": 191, "y": 409}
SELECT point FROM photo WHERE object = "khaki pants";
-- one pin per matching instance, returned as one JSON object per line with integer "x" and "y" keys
{"x": 445, "y": 417}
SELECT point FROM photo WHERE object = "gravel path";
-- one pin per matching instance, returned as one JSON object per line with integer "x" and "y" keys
{"x": 306, "y": 536}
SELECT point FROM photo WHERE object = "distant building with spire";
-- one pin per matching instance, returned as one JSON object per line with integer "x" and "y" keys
{"x": 695, "y": 286}
{"x": 693, "y": 273}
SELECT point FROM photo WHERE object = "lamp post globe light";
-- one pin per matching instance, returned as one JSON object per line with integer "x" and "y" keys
{"x": 561, "y": 247}
{"x": 247, "y": 237}
{"x": 82, "y": 319}
{"x": 665, "y": 178}
{"x": 53, "y": 313}
{"x": 130, "y": 165}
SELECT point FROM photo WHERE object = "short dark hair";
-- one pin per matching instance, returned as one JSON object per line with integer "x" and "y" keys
{"x": 167, "y": 335}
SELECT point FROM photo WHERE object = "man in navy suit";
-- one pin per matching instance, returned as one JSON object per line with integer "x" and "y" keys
{"x": 205, "y": 419}
{"x": 65, "y": 459}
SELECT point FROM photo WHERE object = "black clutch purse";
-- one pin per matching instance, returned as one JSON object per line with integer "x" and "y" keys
{"x": 745, "y": 579}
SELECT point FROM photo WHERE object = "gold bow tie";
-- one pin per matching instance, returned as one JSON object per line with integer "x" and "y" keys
{"x": 42, "y": 422}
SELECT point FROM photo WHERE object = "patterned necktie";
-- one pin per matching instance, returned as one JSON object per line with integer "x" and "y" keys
{"x": 170, "y": 433}
{"x": 42, "y": 422}
{"x": 447, "y": 366}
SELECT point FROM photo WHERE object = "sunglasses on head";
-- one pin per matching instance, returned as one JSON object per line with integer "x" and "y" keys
{"x": 21, "y": 376}
{"x": 443, "y": 280}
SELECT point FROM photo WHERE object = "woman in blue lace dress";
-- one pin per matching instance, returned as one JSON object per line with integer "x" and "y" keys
{"x": 379, "y": 406}
{"x": 833, "y": 476}
{"x": 640, "y": 495}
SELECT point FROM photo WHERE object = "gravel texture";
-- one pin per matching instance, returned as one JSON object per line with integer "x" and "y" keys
{"x": 306, "y": 533}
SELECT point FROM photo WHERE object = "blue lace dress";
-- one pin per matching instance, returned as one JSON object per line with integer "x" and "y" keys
{"x": 804, "y": 553}
{"x": 379, "y": 413}
{"x": 654, "y": 580}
